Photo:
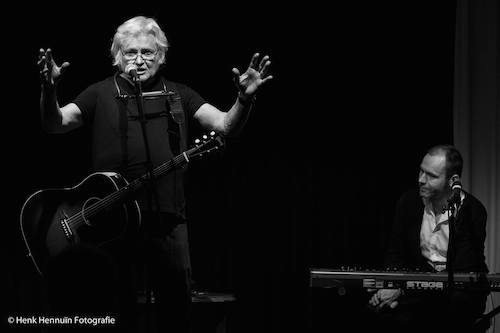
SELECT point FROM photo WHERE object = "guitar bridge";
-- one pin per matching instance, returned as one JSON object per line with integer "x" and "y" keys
{"x": 65, "y": 226}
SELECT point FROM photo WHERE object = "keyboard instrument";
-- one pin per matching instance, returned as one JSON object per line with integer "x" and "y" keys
{"x": 406, "y": 280}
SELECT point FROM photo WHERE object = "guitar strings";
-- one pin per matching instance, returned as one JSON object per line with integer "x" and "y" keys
{"x": 80, "y": 217}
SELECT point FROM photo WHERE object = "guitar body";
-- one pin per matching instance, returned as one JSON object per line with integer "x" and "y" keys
{"x": 53, "y": 220}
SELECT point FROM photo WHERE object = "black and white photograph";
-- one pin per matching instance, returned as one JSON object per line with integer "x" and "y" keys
{"x": 252, "y": 167}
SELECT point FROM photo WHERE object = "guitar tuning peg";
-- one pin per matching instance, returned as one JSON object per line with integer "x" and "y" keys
{"x": 212, "y": 133}
{"x": 205, "y": 137}
{"x": 197, "y": 141}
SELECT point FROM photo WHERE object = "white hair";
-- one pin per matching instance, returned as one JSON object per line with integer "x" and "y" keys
{"x": 134, "y": 27}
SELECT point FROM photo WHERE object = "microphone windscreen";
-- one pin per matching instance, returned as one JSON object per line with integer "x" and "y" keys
{"x": 131, "y": 70}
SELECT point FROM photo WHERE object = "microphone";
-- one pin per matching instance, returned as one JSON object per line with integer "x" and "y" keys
{"x": 456, "y": 189}
{"x": 131, "y": 70}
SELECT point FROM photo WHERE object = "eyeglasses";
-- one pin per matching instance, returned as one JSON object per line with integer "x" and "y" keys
{"x": 132, "y": 54}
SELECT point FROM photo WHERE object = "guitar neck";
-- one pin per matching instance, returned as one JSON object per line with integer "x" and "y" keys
{"x": 131, "y": 188}
{"x": 158, "y": 172}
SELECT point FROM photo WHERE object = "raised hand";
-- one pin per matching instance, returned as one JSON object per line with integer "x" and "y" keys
{"x": 50, "y": 73}
{"x": 248, "y": 83}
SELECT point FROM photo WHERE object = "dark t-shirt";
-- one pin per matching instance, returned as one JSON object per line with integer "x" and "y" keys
{"x": 117, "y": 138}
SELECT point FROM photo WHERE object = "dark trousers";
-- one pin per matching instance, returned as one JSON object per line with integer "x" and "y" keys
{"x": 166, "y": 271}
{"x": 158, "y": 267}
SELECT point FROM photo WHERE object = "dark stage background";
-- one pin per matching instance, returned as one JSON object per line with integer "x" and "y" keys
{"x": 359, "y": 93}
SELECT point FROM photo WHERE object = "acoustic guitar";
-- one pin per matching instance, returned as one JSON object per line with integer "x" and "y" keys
{"x": 97, "y": 211}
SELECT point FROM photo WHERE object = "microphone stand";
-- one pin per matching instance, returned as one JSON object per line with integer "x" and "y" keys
{"x": 480, "y": 322}
{"x": 142, "y": 120}
{"x": 452, "y": 207}
{"x": 151, "y": 181}
{"x": 451, "y": 244}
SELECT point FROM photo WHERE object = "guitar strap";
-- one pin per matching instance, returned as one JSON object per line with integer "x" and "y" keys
{"x": 177, "y": 120}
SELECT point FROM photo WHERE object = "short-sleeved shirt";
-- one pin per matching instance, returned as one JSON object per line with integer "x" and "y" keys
{"x": 117, "y": 137}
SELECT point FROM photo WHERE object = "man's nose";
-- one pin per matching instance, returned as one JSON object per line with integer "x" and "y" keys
{"x": 139, "y": 59}
{"x": 422, "y": 179}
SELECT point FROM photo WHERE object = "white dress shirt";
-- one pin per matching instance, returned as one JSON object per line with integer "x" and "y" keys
{"x": 434, "y": 236}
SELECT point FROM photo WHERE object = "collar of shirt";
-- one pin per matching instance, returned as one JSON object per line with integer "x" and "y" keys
{"x": 434, "y": 221}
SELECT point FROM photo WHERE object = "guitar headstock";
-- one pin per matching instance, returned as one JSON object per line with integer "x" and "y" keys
{"x": 206, "y": 144}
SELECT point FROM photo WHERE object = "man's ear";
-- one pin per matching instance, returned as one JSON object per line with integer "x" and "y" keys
{"x": 453, "y": 179}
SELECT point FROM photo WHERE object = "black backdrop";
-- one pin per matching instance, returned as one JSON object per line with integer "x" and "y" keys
{"x": 359, "y": 93}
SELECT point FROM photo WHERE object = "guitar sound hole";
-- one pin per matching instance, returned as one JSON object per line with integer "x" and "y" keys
{"x": 88, "y": 203}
